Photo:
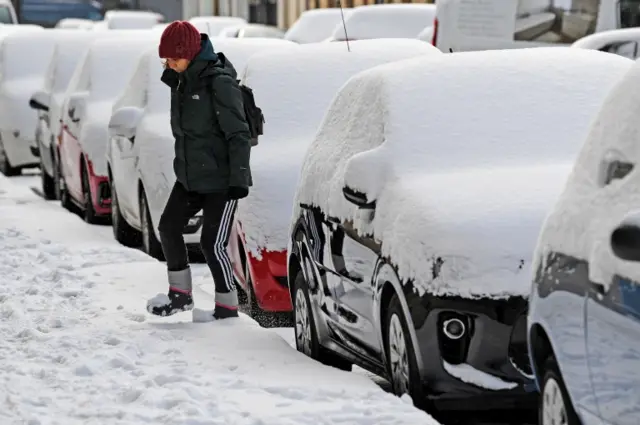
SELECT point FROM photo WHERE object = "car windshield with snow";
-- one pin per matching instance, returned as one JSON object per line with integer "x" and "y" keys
{"x": 584, "y": 316}
{"x": 293, "y": 110}
{"x": 141, "y": 148}
{"x": 96, "y": 83}
{"x": 417, "y": 212}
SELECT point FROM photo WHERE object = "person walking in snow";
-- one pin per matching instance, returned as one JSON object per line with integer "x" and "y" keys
{"x": 212, "y": 147}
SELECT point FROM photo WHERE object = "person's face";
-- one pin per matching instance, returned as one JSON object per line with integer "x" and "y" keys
{"x": 178, "y": 65}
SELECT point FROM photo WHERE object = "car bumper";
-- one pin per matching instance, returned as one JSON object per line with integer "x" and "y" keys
{"x": 100, "y": 192}
{"x": 269, "y": 276}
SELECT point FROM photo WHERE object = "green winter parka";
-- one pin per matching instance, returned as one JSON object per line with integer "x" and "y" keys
{"x": 212, "y": 137}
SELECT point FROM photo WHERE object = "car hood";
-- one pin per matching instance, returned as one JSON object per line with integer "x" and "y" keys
{"x": 470, "y": 233}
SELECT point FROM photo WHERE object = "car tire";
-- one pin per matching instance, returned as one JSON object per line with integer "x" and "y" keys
{"x": 555, "y": 406}
{"x": 5, "y": 165}
{"x": 89, "y": 213}
{"x": 150, "y": 243}
{"x": 401, "y": 365}
{"x": 49, "y": 190}
{"x": 305, "y": 330}
{"x": 65, "y": 196}
{"x": 122, "y": 231}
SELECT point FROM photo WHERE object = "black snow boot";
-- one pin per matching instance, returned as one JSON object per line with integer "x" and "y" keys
{"x": 177, "y": 302}
{"x": 226, "y": 305}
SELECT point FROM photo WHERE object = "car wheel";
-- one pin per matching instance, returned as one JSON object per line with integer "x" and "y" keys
{"x": 150, "y": 243}
{"x": 48, "y": 184}
{"x": 90, "y": 215}
{"x": 555, "y": 407}
{"x": 122, "y": 231}
{"x": 65, "y": 197}
{"x": 266, "y": 319}
{"x": 305, "y": 328}
{"x": 402, "y": 368}
{"x": 56, "y": 173}
{"x": 5, "y": 165}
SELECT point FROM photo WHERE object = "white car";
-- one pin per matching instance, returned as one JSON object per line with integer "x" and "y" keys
{"x": 98, "y": 80}
{"x": 140, "y": 152}
{"x": 128, "y": 20}
{"x": 212, "y": 25}
{"x": 70, "y": 46}
{"x": 584, "y": 314}
{"x": 316, "y": 25}
{"x": 252, "y": 30}
{"x": 623, "y": 42}
{"x": 24, "y": 56}
{"x": 418, "y": 210}
{"x": 293, "y": 88}
{"x": 75, "y": 23}
{"x": 385, "y": 21}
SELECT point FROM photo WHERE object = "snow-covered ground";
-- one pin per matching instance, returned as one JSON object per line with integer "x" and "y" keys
{"x": 77, "y": 347}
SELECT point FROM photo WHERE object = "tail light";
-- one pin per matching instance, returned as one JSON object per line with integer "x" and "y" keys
{"x": 434, "y": 38}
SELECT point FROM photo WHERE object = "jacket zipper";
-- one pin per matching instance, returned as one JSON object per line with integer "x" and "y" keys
{"x": 184, "y": 139}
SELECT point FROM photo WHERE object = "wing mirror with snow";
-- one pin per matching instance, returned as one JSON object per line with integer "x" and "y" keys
{"x": 625, "y": 239}
{"x": 124, "y": 122}
{"x": 358, "y": 198}
{"x": 40, "y": 101}
{"x": 76, "y": 107}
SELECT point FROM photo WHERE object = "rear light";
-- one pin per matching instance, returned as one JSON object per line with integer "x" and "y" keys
{"x": 434, "y": 38}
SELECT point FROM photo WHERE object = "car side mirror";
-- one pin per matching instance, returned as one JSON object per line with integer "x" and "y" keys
{"x": 76, "y": 107}
{"x": 358, "y": 199}
{"x": 40, "y": 101}
{"x": 124, "y": 122}
{"x": 625, "y": 239}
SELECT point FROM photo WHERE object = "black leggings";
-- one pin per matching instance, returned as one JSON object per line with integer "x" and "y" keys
{"x": 218, "y": 214}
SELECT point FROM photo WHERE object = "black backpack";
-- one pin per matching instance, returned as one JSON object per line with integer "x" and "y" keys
{"x": 254, "y": 115}
{"x": 252, "y": 112}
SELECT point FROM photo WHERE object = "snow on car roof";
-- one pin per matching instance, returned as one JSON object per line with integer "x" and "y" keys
{"x": 315, "y": 25}
{"x": 386, "y": 21}
{"x": 129, "y": 19}
{"x": 588, "y": 210}
{"x": 27, "y": 53}
{"x": 464, "y": 154}
{"x": 601, "y": 39}
{"x": 294, "y": 88}
{"x": 212, "y": 25}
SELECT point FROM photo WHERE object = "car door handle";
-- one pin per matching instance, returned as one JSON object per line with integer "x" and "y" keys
{"x": 598, "y": 287}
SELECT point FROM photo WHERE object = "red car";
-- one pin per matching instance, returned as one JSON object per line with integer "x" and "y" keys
{"x": 264, "y": 290}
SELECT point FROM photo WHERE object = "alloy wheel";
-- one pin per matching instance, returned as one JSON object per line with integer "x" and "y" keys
{"x": 303, "y": 324}
{"x": 398, "y": 356}
{"x": 554, "y": 411}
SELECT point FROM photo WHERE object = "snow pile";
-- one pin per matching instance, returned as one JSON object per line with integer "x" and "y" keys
{"x": 103, "y": 74}
{"x": 294, "y": 90}
{"x": 589, "y": 209}
{"x": 386, "y": 21}
{"x": 316, "y": 25}
{"x": 212, "y": 25}
{"x": 464, "y": 154}
{"x": 25, "y": 56}
{"x": 131, "y": 19}
{"x": 78, "y": 347}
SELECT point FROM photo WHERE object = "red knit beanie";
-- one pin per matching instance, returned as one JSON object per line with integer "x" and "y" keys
{"x": 180, "y": 40}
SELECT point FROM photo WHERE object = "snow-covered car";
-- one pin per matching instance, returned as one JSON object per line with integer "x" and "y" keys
{"x": 623, "y": 42}
{"x": 212, "y": 25}
{"x": 316, "y": 25}
{"x": 70, "y": 46}
{"x": 98, "y": 80}
{"x": 128, "y": 20}
{"x": 412, "y": 234}
{"x": 75, "y": 23}
{"x": 293, "y": 109}
{"x": 584, "y": 313}
{"x": 252, "y": 30}
{"x": 385, "y": 21}
{"x": 24, "y": 56}
{"x": 141, "y": 148}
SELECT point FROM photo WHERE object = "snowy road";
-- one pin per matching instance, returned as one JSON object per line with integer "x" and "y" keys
{"x": 78, "y": 346}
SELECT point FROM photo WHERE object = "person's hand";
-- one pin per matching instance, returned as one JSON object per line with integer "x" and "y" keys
{"x": 238, "y": 192}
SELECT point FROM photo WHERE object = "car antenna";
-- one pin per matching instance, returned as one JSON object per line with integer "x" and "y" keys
{"x": 344, "y": 25}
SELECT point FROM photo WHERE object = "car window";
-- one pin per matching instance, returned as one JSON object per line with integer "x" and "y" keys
{"x": 627, "y": 49}
{"x": 5, "y": 15}
{"x": 628, "y": 13}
